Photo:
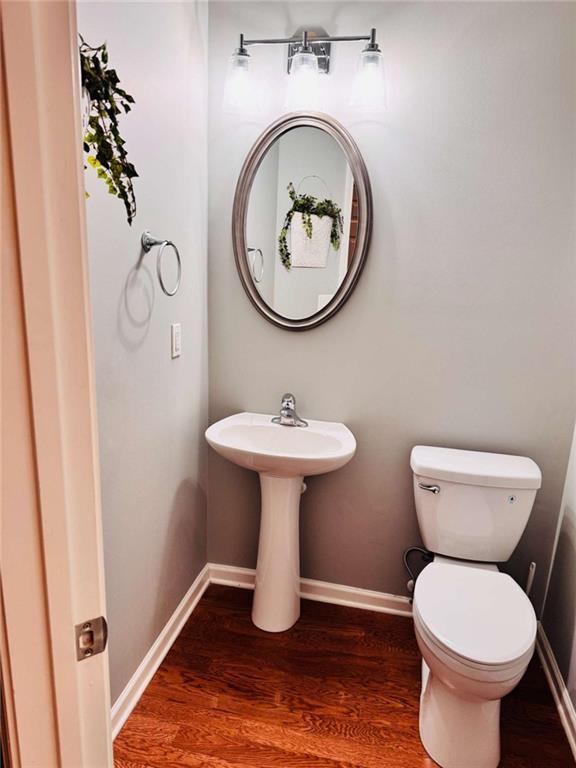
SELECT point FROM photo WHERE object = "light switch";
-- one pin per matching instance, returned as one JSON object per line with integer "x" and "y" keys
{"x": 176, "y": 337}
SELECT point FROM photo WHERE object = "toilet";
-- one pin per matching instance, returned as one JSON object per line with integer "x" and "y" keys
{"x": 475, "y": 627}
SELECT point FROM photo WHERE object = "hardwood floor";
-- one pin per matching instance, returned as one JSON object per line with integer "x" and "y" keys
{"x": 340, "y": 689}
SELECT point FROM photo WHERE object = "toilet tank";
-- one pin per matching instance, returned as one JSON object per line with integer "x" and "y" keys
{"x": 472, "y": 505}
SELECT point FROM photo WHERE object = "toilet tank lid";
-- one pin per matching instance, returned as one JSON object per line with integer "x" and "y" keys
{"x": 475, "y": 467}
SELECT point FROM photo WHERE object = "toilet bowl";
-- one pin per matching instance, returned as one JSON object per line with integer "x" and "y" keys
{"x": 476, "y": 630}
{"x": 474, "y": 625}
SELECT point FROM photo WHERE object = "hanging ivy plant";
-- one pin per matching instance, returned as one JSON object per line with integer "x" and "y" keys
{"x": 103, "y": 144}
{"x": 309, "y": 206}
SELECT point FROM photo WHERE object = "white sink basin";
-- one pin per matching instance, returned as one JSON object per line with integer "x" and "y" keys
{"x": 253, "y": 441}
{"x": 282, "y": 456}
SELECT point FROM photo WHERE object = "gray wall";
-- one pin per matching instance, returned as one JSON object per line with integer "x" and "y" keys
{"x": 458, "y": 333}
{"x": 559, "y": 618}
{"x": 152, "y": 410}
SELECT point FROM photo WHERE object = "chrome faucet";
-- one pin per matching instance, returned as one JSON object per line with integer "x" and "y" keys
{"x": 288, "y": 416}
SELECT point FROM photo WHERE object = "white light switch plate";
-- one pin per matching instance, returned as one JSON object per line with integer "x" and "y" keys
{"x": 176, "y": 338}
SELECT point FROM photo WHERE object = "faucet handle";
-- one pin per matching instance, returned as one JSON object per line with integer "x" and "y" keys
{"x": 288, "y": 401}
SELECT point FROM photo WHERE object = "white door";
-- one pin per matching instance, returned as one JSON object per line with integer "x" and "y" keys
{"x": 51, "y": 566}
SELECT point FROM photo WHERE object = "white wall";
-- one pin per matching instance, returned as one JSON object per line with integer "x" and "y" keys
{"x": 152, "y": 410}
{"x": 458, "y": 332}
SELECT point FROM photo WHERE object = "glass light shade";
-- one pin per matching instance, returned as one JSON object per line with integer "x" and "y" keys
{"x": 303, "y": 90}
{"x": 240, "y": 97}
{"x": 369, "y": 88}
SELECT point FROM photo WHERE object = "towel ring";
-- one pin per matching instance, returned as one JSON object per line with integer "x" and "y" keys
{"x": 148, "y": 242}
{"x": 253, "y": 264}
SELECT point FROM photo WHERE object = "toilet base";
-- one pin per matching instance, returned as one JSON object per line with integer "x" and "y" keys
{"x": 458, "y": 732}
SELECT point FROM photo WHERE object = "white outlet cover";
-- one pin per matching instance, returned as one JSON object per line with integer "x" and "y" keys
{"x": 176, "y": 339}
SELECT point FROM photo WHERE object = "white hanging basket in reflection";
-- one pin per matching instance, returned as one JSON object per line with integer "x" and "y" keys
{"x": 310, "y": 251}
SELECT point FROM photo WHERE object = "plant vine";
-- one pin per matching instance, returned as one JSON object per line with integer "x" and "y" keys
{"x": 103, "y": 144}
{"x": 309, "y": 206}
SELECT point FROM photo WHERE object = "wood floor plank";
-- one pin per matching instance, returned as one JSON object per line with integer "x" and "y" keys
{"x": 119, "y": 763}
{"x": 339, "y": 690}
{"x": 322, "y": 626}
{"x": 357, "y": 744}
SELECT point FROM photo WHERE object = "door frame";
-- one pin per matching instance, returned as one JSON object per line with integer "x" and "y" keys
{"x": 51, "y": 559}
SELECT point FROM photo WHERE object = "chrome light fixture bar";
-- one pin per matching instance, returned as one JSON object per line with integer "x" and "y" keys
{"x": 315, "y": 41}
{"x": 314, "y": 45}
{"x": 309, "y": 51}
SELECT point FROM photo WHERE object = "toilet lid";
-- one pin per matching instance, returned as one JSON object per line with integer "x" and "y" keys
{"x": 474, "y": 613}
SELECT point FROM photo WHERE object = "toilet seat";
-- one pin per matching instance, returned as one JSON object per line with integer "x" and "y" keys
{"x": 478, "y": 617}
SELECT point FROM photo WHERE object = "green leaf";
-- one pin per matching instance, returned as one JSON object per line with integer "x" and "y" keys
{"x": 103, "y": 144}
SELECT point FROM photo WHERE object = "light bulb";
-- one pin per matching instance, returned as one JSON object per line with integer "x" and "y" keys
{"x": 369, "y": 88}
{"x": 303, "y": 89}
{"x": 240, "y": 93}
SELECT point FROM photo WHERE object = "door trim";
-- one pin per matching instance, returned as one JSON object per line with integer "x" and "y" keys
{"x": 41, "y": 75}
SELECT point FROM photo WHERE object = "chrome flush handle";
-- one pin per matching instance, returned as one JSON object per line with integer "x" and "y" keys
{"x": 435, "y": 489}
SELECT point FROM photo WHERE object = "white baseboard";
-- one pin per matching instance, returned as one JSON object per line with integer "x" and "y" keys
{"x": 367, "y": 599}
{"x": 321, "y": 591}
{"x": 558, "y": 687}
{"x": 136, "y": 686}
{"x": 232, "y": 575}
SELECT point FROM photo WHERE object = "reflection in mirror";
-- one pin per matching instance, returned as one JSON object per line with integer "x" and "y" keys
{"x": 301, "y": 222}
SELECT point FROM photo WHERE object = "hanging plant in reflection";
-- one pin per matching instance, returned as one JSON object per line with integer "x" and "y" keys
{"x": 103, "y": 144}
{"x": 309, "y": 206}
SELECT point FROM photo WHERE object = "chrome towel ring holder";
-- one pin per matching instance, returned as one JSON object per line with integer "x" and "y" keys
{"x": 256, "y": 277}
{"x": 148, "y": 242}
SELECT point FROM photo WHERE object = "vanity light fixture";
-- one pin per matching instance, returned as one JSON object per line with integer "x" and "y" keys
{"x": 239, "y": 92}
{"x": 369, "y": 89}
{"x": 308, "y": 60}
{"x": 303, "y": 92}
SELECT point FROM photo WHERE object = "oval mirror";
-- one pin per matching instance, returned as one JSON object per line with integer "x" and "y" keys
{"x": 302, "y": 220}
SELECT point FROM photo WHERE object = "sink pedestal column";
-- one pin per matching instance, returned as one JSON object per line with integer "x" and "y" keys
{"x": 276, "y": 604}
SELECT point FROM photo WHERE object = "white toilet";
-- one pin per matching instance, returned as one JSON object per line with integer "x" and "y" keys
{"x": 475, "y": 626}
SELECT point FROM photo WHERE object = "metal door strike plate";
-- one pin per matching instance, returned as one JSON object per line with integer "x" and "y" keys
{"x": 91, "y": 637}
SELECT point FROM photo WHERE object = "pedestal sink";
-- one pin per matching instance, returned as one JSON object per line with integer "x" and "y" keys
{"x": 282, "y": 456}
